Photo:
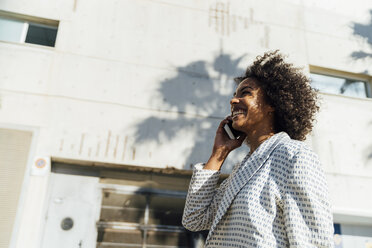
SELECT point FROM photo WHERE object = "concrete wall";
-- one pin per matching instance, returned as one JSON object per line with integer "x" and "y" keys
{"x": 147, "y": 82}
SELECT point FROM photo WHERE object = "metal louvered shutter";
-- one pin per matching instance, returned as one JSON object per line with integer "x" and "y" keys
{"x": 14, "y": 151}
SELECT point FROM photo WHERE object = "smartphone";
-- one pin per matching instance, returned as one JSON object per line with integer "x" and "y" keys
{"x": 231, "y": 132}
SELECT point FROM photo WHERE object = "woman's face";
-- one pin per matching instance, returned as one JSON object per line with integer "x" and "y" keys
{"x": 249, "y": 108}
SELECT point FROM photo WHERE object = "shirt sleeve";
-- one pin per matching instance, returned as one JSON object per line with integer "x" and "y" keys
{"x": 202, "y": 199}
{"x": 307, "y": 211}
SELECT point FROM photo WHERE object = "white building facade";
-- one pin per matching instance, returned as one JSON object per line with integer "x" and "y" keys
{"x": 106, "y": 105}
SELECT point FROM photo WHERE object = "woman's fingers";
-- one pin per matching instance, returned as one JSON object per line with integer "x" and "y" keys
{"x": 223, "y": 122}
{"x": 242, "y": 137}
{"x": 220, "y": 128}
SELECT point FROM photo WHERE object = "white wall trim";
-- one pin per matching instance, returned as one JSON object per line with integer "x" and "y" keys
{"x": 352, "y": 216}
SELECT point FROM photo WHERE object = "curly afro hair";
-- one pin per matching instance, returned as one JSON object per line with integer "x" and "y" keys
{"x": 288, "y": 90}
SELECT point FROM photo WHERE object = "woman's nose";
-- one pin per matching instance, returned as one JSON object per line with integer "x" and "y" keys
{"x": 234, "y": 100}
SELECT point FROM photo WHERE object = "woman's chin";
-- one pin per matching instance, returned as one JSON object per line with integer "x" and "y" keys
{"x": 237, "y": 127}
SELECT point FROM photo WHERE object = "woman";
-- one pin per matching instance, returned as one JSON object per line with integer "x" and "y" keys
{"x": 277, "y": 196}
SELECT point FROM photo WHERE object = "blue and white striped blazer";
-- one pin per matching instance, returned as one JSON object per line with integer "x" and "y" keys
{"x": 277, "y": 197}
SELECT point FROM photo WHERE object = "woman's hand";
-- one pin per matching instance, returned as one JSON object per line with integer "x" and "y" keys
{"x": 223, "y": 145}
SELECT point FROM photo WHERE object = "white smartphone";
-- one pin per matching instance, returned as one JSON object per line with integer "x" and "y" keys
{"x": 231, "y": 132}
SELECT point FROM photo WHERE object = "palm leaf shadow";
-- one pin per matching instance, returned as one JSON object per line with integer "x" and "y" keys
{"x": 195, "y": 94}
{"x": 363, "y": 31}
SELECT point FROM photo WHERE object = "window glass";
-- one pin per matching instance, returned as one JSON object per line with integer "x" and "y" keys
{"x": 352, "y": 235}
{"x": 144, "y": 219}
{"x": 123, "y": 207}
{"x": 166, "y": 210}
{"x": 41, "y": 35}
{"x": 119, "y": 238}
{"x": 338, "y": 85}
{"x": 175, "y": 239}
{"x": 11, "y": 30}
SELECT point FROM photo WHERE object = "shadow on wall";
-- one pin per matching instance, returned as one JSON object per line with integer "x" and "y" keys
{"x": 200, "y": 93}
{"x": 368, "y": 150}
{"x": 364, "y": 31}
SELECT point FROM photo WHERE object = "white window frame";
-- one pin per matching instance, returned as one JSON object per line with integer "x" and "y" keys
{"x": 24, "y": 32}
{"x": 26, "y": 19}
{"x": 343, "y": 74}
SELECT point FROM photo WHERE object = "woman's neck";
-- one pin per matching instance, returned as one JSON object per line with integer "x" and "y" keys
{"x": 256, "y": 138}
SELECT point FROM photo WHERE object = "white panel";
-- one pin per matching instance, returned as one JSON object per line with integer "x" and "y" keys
{"x": 78, "y": 198}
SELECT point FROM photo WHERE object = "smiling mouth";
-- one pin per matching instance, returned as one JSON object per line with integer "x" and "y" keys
{"x": 238, "y": 112}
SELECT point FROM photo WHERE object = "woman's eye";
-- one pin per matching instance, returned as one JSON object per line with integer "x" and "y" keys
{"x": 246, "y": 93}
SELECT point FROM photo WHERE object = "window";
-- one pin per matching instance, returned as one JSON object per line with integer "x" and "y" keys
{"x": 25, "y": 29}
{"x": 352, "y": 235}
{"x": 341, "y": 83}
{"x": 144, "y": 218}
